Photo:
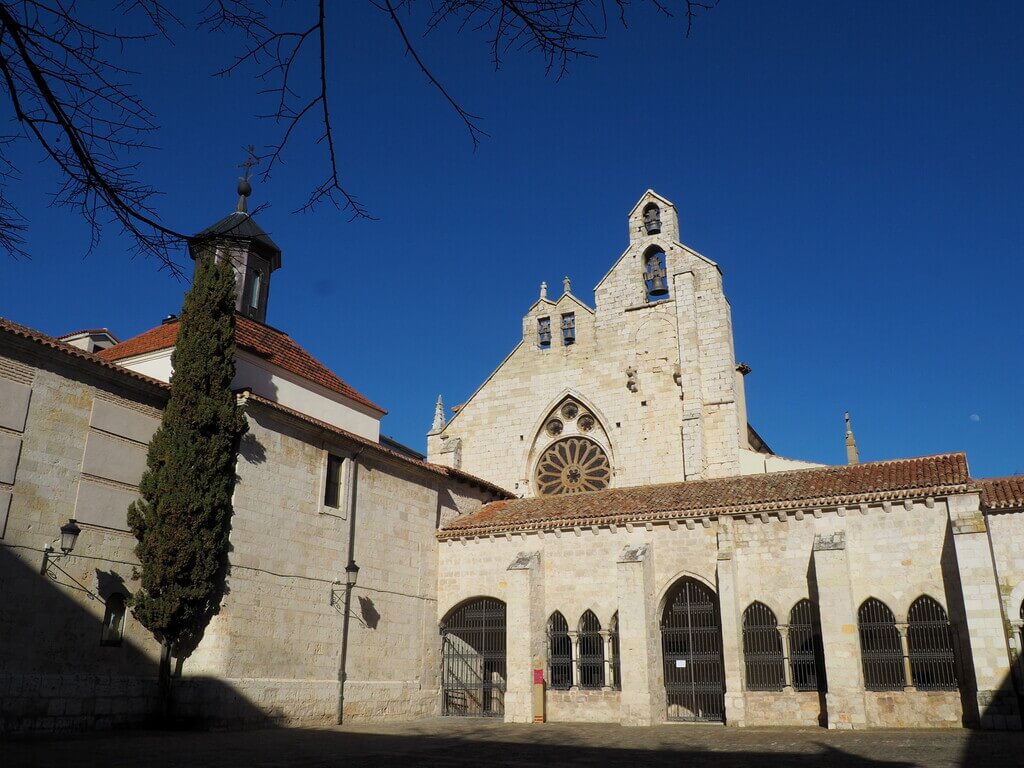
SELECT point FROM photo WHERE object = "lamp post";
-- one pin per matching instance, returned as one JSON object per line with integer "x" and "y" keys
{"x": 68, "y": 538}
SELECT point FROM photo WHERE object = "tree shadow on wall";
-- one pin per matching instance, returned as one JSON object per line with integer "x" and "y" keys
{"x": 55, "y": 674}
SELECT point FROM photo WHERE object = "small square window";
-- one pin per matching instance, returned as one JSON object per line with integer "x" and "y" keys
{"x": 332, "y": 486}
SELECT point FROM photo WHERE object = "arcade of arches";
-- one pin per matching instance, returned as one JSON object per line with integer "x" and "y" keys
{"x": 844, "y": 613}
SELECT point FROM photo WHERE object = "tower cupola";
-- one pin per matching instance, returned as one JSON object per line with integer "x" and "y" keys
{"x": 253, "y": 254}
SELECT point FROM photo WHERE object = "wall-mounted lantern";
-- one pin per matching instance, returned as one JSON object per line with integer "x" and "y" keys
{"x": 68, "y": 538}
{"x": 351, "y": 574}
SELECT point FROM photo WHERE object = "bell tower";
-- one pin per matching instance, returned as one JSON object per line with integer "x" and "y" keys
{"x": 253, "y": 254}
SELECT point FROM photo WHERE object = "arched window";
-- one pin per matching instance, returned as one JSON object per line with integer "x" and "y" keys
{"x": 880, "y": 648}
{"x": 652, "y": 219}
{"x": 591, "y": 652}
{"x": 613, "y": 641}
{"x": 930, "y": 645}
{"x": 806, "y": 656}
{"x": 655, "y": 275}
{"x": 113, "y": 620}
{"x": 763, "y": 658}
{"x": 559, "y": 652}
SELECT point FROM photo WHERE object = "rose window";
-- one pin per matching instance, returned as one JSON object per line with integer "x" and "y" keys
{"x": 554, "y": 427}
{"x": 569, "y": 410}
{"x": 586, "y": 423}
{"x": 572, "y": 465}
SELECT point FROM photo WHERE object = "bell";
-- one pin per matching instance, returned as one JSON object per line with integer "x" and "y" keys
{"x": 658, "y": 287}
{"x": 653, "y": 224}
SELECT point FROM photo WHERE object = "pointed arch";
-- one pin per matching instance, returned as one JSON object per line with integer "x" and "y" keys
{"x": 691, "y": 643}
{"x": 806, "y": 651}
{"x": 880, "y": 647}
{"x": 591, "y": 662}
{"x": 930, "y": 646}
{"x": 763, "y": 657}
{"x": 560, "y": 664}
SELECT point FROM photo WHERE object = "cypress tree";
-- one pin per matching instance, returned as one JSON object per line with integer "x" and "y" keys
{"x": 183, "y": 517}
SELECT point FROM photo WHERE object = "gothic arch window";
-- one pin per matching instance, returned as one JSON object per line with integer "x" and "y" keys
{"x": 806, "y": 654}
{"x": 591, "y": 651}
{"x": 572, "y": 465}
{"x": 930, "y": 646}
{"x": 655, "y": 274}
{"x": 763, "y": 658}
{"x": 571, "y": 452}
{"x": 559, "y": 652}
{"x": 880, "y": 647}
{"x": 652, "y": 219}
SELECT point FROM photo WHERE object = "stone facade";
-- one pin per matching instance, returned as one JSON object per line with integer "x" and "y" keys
{"x": 274, "y": 651}
{"x": 657, "y": 373}
{"x": 701, "y": 577}
{"x": 837, "y": 557}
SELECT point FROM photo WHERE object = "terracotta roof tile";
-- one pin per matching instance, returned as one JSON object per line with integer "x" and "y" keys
{"x": 266, "y": 342}
{"x": 48, "y": 341}
{"x": 1002, "y": 493}
{"x": 826, "y": 486}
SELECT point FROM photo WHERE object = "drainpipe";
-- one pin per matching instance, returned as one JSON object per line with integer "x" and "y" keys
{"x": 350, "y": 504}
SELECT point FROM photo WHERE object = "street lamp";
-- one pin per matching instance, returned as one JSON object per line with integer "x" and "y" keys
{"x": 68, "y": 538}
{"x": 351, "y": 574}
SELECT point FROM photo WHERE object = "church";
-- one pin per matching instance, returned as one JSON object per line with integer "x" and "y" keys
{"x": 596, "y": 534}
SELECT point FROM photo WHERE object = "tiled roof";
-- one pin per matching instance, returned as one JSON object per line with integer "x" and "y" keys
{"x": 1001, "y": 493}
{"x": 48, "y": 341}
{"x": 437, "y": 469}
{"x": 262, "y": 340}
{"x": 818, "y": 487}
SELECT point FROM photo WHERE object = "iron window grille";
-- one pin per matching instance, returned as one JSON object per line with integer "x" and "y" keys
{"x": 591, "y": 652}
{"x": 763, "y": 658}
{"x": 806, "y": 654}
{"x": 559, "y": 653}
{"x": 880, "y": 647}
{"x": 691, "y": 642}
{"x": 930, "y": 646}
{"x": 613, "y": 641}
{"x": 473, "y": 660}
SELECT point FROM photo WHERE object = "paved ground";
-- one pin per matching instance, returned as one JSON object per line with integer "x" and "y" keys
{"x": 464, "y": 743}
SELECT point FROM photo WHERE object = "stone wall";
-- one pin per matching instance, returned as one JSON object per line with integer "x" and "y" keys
{"x": 1006, "y": 533}
{"x": 893, "y": 551}
{"x": 56, "y": 674}
{"x": 658, "y": 376}
{"x": 273, "y": 652}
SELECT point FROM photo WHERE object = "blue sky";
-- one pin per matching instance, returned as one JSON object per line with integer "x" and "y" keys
{"x": 856, "y": 169}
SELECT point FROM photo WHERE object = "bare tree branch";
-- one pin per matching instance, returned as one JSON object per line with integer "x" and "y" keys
{"x": 70, "y": 100}
{"x": 58, "y": 76}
